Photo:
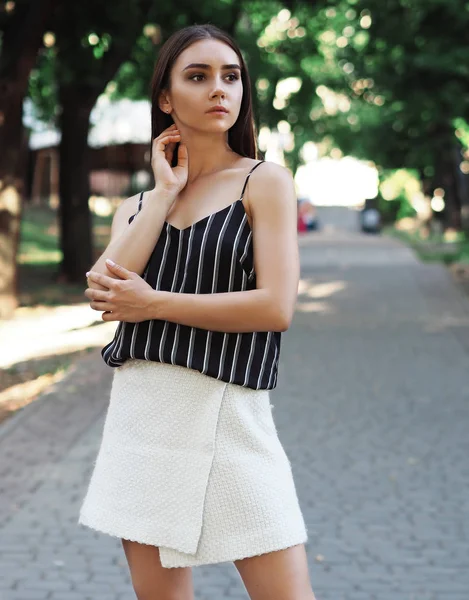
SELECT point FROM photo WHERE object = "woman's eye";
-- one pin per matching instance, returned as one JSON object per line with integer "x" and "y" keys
{"x": 200, "y": 76}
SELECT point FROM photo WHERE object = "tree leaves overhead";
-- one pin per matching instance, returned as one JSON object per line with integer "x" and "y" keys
{"x": 408, "y": 69}
{"x": 370, "y": 71}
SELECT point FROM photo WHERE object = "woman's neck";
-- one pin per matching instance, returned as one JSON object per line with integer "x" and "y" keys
{"x": 207, "y": 154}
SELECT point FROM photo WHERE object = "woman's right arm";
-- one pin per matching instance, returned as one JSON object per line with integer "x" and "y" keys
{"x": 131, "y": 244}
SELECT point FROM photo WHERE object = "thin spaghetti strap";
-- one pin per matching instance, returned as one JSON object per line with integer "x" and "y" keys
{"x": 138, "y": 209}
{"x": 248, "y": 176}
{"x": 140, "y": 202}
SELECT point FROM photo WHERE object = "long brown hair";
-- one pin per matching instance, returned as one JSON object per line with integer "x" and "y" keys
{"x": 241, "y": 136}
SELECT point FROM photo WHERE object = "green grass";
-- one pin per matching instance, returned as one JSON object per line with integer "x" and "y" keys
{"x": 434, "y": 248}
{"x": 39, "y": 258}
{"x": 39, "y": 236}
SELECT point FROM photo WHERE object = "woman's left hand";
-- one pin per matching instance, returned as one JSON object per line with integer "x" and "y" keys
{"x": 126, "y": 299}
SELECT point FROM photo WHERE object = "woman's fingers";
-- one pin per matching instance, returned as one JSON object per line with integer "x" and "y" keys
{"x": 94, "y": 294}
{"x": 101, "y": 306}
{"x": 169, "y": 151}
{"x": 161, "y": 143}
{"x": 168, "y": 136}
{"x": 164, "y": 147}
{"x": 166, "y": 132}
{"x": 167, "y": 144}
{"x": 166, "y": 141}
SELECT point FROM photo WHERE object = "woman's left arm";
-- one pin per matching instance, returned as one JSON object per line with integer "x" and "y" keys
{"x": 270, "y": 307}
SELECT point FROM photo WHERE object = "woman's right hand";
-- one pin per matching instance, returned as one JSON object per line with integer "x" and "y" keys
{"x": 170, "y": 179}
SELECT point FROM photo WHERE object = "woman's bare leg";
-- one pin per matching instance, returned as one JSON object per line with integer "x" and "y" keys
{"x": 281, "y": 575}
{"x": 150, "y": 580}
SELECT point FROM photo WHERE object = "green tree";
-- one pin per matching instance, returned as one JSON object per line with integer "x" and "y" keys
{"x": 404, "y": 71}
{"x": 93, "y": 39}
{"x": 120, "y": 44}
{"x": 90, "y": 44}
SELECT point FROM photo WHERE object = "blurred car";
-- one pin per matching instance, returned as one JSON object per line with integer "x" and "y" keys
{"x": 370, "y": 219}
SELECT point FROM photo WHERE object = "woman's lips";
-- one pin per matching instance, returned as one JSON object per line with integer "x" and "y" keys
{"x": 218, "y": 110}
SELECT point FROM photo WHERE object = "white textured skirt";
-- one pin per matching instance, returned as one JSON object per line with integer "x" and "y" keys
{"x": 192, "y": 465}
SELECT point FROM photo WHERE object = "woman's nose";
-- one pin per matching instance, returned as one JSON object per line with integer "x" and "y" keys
{"x": 218, "y": 90}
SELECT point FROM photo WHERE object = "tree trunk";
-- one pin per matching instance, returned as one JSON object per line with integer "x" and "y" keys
{"x": 13, "y": 144}
{"x": 461, "y": 186}
{"x": 22, "y": 35}
{"x": 445, "y": 177}
{"x": 76, "y": 237}
{"x": 452, "y": 199}
{"x": 77, "y": 99}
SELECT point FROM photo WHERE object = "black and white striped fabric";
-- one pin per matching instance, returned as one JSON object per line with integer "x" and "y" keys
{"x": 213, "y": 255}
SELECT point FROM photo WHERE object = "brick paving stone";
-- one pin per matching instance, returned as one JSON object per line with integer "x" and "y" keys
{"x": 372, "y": 408}
{"x": 22, "y": 594}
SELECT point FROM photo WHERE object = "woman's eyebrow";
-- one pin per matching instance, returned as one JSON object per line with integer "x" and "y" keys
{"x": 204, "y": 66}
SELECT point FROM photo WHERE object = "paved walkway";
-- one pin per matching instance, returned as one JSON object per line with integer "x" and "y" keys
{"x": 372, "y": 407}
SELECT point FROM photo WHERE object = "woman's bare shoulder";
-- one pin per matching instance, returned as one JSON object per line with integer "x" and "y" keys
{"x": 270, "y": 170}
{"x": 266, "y": 170}
{"x": 271, "y": 184}
{"x": 268, "y": 178}
{"x": 270, "y": 187}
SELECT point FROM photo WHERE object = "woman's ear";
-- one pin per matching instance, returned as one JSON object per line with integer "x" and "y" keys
{"x": 164, "y": 104}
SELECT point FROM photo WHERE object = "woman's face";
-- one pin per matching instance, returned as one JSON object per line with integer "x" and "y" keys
{"x": 205, "y": 75}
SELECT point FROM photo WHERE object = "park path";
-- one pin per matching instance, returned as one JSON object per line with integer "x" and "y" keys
{"x": 372, "y": 408}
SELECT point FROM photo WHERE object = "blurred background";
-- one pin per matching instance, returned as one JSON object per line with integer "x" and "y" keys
{"x": 365, "y": 101}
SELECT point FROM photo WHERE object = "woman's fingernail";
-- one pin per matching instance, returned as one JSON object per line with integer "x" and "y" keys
{"x": 88, "y": 273}
{"x": 110, "y": 262}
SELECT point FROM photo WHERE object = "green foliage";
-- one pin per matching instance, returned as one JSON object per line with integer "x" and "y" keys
{"x": 383, "y": 81}
{"x": 433, "y": 247}
{"x": 462, "y": 132}
{"x": 405, "y": 207}
{"x": 276, "y": 43}
{"x": 396, "y": 190}
{"x": 43, "y": 86}
{"x": 81, "y": 47}
{"x": 403, "y": 70}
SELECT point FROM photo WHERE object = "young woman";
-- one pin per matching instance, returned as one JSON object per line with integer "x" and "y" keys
{"x": 203, "y": 280}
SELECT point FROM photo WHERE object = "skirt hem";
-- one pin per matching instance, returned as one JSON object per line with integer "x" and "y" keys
{"x": 123, "y": 533}
{"x": 182, "y": 560}
{"x": 274, "y": 546}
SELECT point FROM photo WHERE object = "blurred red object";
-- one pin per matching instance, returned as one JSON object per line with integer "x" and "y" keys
{"x": 301, "y": 224}
{"x": 307, "y": 220}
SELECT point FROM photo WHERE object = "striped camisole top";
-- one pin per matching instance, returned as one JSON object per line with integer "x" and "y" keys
{"x": 213, "y": 255}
